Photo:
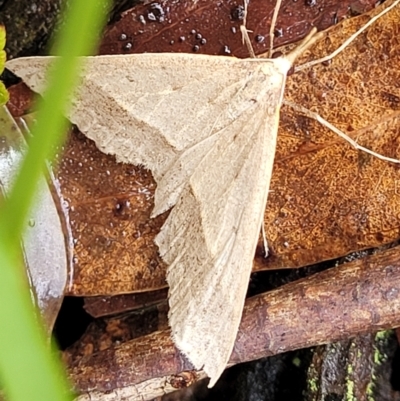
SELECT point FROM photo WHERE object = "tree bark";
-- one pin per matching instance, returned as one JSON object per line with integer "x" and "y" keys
{"x": 342, "y": 302}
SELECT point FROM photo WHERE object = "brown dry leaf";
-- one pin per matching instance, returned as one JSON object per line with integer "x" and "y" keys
{"x": 308, "y": 195}
{"x": 110, "y": 206}
{"x": 211, "y": 27}
{"x": 319, "y": 206}
{"x": 327, "y": 198}
{"x": 112, "y": 305}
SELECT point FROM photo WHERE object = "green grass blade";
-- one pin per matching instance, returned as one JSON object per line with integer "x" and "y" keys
{"x": 28, "y": 370}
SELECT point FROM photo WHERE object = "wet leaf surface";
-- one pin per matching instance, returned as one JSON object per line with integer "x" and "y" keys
{"x": 44, "y": 241}
{"x": 326, "y": 199}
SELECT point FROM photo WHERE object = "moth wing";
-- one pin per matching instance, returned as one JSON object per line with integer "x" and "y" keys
{"x": 147, "y": 109}
{"x": 210, "y": 236}
{"x": 206, "y": 127}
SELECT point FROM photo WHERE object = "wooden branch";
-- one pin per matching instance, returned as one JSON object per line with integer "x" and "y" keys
{"x": 358, "y": 297}
{"x": 147, "y": 390}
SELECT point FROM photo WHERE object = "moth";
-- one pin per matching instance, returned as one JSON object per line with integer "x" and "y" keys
{"x": 206, "y": 126}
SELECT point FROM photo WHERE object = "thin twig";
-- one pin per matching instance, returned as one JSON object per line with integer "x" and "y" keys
{"x": 337, "y": 131}
{"x": 346, "y": 42}
{"x": 273, "y": 25}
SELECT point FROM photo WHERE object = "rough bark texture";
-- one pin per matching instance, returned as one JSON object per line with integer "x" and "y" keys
{"x": 29, "y": 25}
{"x": 357, "y": 369}
{"x": 342, "y": 302}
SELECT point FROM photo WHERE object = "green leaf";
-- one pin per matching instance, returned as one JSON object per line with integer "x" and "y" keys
{"x": 2, "y": 37}
{"x": 4, "y": 95}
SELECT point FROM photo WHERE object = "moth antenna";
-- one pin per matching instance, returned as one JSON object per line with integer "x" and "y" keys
{"x": 316, "y": 116}
{"x": 305, "y": 44}
{"x": 348, "y": 41}
{"x": 338, "y": 132}
{"x": 272, "y": 27}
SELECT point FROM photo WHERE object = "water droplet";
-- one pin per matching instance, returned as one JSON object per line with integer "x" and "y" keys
{"x": 260, "y": 38}
{"x": 156, "y": 13}
{"x": 227, "y": 50}
{"x": 233, "y": 29}
{"x": 196, "y": 48}
{"x": 203, "y": 41}
{"x": 128, "y": 46}
{"x": 237, "y": 13}
{"x": 123, "y": 36}
{"x": 172, "y": 42}
{"x": 311, "y": 3}
{"x": 199, "y": 36}
{"x": 193, "y": 31}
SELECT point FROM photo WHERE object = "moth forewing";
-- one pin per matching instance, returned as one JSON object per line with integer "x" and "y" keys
{"x": 210, "y": 237}
{"x": 206, "y": 126}
{"x": 213, "y": 159}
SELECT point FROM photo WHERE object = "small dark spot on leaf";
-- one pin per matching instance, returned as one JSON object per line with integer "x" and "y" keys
{"x": 278, "y": 32}
{"x": 392, "y": 99}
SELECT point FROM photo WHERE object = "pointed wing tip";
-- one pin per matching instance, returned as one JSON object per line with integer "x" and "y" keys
{"x": 31, "y": 70}
{"x": 201, "y": 361}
